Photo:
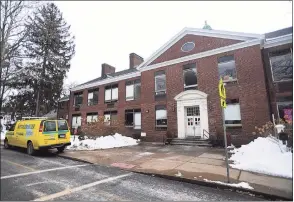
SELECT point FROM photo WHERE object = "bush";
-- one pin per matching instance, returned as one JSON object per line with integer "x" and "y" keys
{"x": 100, "y": 128}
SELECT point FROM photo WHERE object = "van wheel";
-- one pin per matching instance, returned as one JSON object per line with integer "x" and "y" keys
{"x": 30, "y": 149}
{"x": 60, "y": 149}
{"x": 6, "y": 145}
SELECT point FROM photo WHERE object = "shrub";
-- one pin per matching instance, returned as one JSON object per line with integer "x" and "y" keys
{"x": 100, "y": 128}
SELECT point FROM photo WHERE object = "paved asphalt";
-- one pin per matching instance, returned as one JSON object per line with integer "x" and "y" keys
{"x": 49, "y": 177}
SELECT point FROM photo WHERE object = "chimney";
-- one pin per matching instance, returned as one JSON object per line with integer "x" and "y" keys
{"x": 106, "y": 69}
{"x": 135, "y": 60}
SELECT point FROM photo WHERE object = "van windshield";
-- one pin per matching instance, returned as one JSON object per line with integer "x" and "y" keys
{"x": 62, "y": 125}
{"x": 49, "y": 126}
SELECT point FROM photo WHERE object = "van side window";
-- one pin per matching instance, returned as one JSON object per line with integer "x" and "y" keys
{"x": 12, "y": 127}
{"x": 49, "y": 126}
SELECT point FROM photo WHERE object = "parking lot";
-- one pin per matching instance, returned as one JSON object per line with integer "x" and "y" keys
{"x": 49, "y": 177}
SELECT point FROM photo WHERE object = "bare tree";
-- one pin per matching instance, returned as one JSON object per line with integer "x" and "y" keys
{"x": 12, "y": 36}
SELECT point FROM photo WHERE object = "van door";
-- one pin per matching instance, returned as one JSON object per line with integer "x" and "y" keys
{"x": 63, "y": 132}
{"x": 50, "y": 132}
{"x": 11, "y": 136}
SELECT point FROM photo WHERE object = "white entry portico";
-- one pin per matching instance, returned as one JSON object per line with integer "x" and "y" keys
{"x": 192, "y": 114}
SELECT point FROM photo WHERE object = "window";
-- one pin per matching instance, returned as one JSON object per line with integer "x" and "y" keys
{"x": 227, "y": 68}
{"x": 62, "y": 125}
{"x": 111, "y": 93}
{"x": 160, "y": 83}
{"x": 133, "y": 90}
{"x": 92, "y": 117}
{"x": 133, "y": 118}
{"x": 76, "y": 121}
{"x": 285, "y": 111}
{"x": 161, "y": 117}
{"x": 61, "y": 105}
{"x": 281, "y": 65}
{"x": 232, "y": 112}
{"x": 187, "y": 47}
{"x": 93, "y": 97}
{"x": 12, "y": 127}
{"x": 49, "y": 126}
{"x": 190, "y": 76}
{"x": 78, "y": 99}
{"x": 110, "y": 116}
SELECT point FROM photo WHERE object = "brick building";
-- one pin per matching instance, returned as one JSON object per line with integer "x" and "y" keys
{"x": 175, "y": 89}
{"x": 63, "y": 108}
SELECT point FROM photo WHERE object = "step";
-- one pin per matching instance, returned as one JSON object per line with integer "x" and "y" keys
{"x": 188, "y": 140}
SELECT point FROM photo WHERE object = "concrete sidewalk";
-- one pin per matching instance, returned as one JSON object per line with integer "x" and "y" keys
{"x": 184, "y": 162}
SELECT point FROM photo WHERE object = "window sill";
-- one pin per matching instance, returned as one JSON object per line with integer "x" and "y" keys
{"x": 234, "y": 81}
{"x": 233, "y": 125}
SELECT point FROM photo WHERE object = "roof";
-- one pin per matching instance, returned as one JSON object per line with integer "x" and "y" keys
{"x": 200, "y": 32}
{"x": 115, "y": 74}
{"x": 65, "y": 98}
{"x": 278, "y": 33}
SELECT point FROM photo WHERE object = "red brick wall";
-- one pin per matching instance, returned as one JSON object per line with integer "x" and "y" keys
{"x": 119, "y": 106}
{"x": 250, "y": 90}
{"x": 202, "y": 43}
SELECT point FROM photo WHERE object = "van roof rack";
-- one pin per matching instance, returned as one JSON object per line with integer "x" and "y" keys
{"x": 28, "y": 118}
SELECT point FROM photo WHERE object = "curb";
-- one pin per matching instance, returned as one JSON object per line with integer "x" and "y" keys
{"x": 198, "y": 182}
{"x": 75, "y": 159}
{"x": 220, "y": 186}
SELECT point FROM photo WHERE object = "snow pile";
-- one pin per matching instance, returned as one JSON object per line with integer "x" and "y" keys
{"x": 106, "y": 142}
{"x": 265, "y": 155}
{"x": 3, "y": 129}
{"x": 241, "y": 184}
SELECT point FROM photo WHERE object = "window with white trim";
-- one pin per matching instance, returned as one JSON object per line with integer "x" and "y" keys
{"x": 190, "y": 76}
{"x": 133, "y": 90}
{"x": 133, "y": 118}
{"x": 160, "y": 117}
{"x": 92, "y": 117}
{"x": 281, "y": 65}
{"x": 110, "y": 116}
{"x": 160, "y": 83}
{"x": 232, "y": 112}
{"x": 78, "y": 99}
{"x": 93, "y": 97}
{"x": 227, "y": 68}
{"x": 76, "y": 121}
{"x": 111, "y": 93}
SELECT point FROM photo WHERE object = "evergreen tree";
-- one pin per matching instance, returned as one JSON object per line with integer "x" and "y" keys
{"x": 50, "y": 48}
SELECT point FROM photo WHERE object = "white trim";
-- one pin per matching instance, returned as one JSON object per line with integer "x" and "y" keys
{"x": 204, "y": 54}
{"x": 278, "y": 41}
{"x": 106, "y": 81}
{"x": 200, "y": 32}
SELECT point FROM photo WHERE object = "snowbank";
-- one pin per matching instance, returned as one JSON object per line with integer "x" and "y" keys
{"x": 265, "y": 155}
{"x": 241, "y": 184}
{"x": 106, "y": 142}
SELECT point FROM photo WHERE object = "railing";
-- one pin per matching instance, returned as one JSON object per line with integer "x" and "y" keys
{"x": 205, "y": 131}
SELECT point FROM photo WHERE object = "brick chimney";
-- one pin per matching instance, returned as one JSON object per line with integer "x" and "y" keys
{"x": 106, "y": 69}
{"x": 135, "y": 60}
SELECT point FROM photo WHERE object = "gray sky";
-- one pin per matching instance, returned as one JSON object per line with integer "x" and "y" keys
{"x": 106, "y": 32}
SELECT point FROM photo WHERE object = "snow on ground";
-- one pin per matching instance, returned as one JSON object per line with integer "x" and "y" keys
{"x": 106, "y": 142}
{"x": 265, "y": 155}
{"x": 241, "y": 184}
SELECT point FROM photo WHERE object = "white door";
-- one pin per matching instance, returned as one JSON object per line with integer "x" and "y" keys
{"x": 193, "y": 127}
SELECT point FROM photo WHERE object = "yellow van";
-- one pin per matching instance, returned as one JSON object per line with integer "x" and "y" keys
{"x": 38, "y": 134}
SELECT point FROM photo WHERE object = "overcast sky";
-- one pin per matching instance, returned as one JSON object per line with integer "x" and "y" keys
{"x": 107, "y": 32}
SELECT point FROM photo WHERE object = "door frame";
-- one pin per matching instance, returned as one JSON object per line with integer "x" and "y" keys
{"x": 191, "y": 98}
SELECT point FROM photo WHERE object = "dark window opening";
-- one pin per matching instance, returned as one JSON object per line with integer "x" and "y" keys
{"x": 93, "y": 97}
{"x": 190, "y": 76}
